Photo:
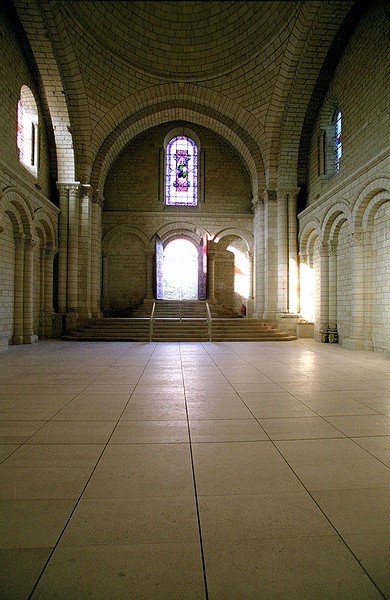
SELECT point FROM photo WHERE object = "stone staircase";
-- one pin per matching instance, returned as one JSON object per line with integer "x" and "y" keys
{"x": 185, "y": 321}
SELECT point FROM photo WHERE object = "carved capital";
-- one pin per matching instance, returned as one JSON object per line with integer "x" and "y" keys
{"x": 324, "y": 249}
{"x": 86, "y": 190}
{"x": 98, "y": 198}
{"x": 269, "y": 195}
{"x": 332, "y": 249}
{"x": 303, "y": 258}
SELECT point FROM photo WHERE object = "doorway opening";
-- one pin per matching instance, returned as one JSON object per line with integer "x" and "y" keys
{"x": 180, "y": 270}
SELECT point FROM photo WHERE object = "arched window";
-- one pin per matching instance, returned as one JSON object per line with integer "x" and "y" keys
{"x": 27, "y": 130}
{"x": 181, "y": 172}
{"x": 330, "y": 140}
{"x": 338, "y": 144}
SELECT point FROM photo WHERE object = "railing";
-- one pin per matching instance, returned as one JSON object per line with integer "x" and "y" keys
{"x": 152, "y": 322}
{"x": 208, "y": 321}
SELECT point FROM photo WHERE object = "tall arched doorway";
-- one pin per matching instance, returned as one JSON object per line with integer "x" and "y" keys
{"x": 180, "y": 270}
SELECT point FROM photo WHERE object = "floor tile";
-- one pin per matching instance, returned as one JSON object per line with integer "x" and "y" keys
{"x": 73, "y": 432}
{"x": 138, "y": 470}
{"x": 19, "y": 571}
{"x": 276, "y": 405}
{"x": 42, "y": 482}
{"x": 94, "y": 407}
{"x": 241, "y": 468}
{"x": 141, "y": 571}
{"x": 296, "y": 568}
{"x": 121, "y": 521}
{"x": 234, "y": 409}
{"x": 17, "y": 432}
{"x": 261, "y": 516}
{"x": 356, "y": 511}
{"x": 150, "y": 432}
{"x": 360, "y": 425}
{"x": 377, "y": 446}
{"x": 226, "y": 430}
{"x": 373, "y": 551}
{"x": 33, "y": 523}
{"x": 299, "y": 428}
{"x": 320, "y": 451}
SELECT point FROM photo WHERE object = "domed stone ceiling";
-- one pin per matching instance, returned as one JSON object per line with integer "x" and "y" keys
{"x": 182, "y": 40}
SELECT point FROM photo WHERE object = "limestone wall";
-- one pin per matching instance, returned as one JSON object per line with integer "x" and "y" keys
{"x": 348, "y": 212}
{"x": 28, "y": 219}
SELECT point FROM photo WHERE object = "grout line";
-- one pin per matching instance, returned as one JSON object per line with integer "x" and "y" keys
{"x": 195, "y": 487}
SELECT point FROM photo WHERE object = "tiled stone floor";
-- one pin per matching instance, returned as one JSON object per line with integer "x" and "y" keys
{"x": 231, "y": 471}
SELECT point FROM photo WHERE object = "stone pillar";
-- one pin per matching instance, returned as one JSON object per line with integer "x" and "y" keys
{"x": 282, "y": 252}
{"x": 105, "y": 296}
{"x": 324, "y": 295}
{"x": 85, "y": 254}
{"x": 357, "y": 335}
{"x": 250, "y": 301}
{"x": 28, "y": 293}
{"x": 258, "y": 243}
{"x": 149, "y": 274}
{"x": 73, "y": 249}
{"x": 293, "y": 266}
{"x": 333, "y": 335}
{"x": 270, "y": 254}
{"x": 18, "y": 289}
{"x": 96, "y": 254}
{"x": 49, "y": 254}
{"x": 368, "y": 288}
{"x": 211, "y": 275}
{"x": 63, "y": 248}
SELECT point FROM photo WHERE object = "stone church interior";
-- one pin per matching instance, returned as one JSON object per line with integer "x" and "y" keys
{"x": 184, "y": 185}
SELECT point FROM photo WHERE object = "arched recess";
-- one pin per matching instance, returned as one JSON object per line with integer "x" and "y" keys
{"x": 371, "y": 228}
{"x": 191, "y": 113}
{"x": 377, "y": 191}
{"x": 175, "y": 230}
{"x": 18, "y": 289}
{"x": 233, "y": 256}
{"x": 53, "y": 89}
{"x": 216, "y": 114}
{"x": 309, "y": 270}
{"x": 125, "y": 270}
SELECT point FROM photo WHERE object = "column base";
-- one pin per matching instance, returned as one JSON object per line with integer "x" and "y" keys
{"x": 71, "y": 319}
{"x": 353, "y": 344}
{"x": 17, "y": 340}
{"x": 31, "y": 338}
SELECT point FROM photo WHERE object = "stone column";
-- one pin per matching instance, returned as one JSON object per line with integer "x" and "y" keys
{"x": 85, "y": 254}
{"x": 63, "y": 248}
{"x": 333, "y": 335}
{"x": 18, "y": 289}
{"x": 357, "y": 334}
{"x": 211, "y": 275}
{"x": 48, "y": 311}
{"x": 258, "y": 243}
{"x": 293, "y": 267}
{"x": 368, "y": 288}
{"x": 149, "y": 253}
{"x": 324, "y": 295}
{"x": 282, "y": 252}
{"x": 105, "y": 296}
{"x": 73, "y": 249}
{"x": 270, "y": 254}
{"x": 250, "y": 301}
{"x": 28, "y": 292}
{"x": 96, "y": 256}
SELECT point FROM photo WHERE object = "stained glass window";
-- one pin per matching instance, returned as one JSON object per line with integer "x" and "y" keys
{"x": 338, "y": 140}
{"x": 181, "y": 172}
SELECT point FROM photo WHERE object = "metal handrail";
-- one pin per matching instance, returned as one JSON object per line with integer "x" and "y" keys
{"x": 152, "y": 322}
{"x": 208, "y": 320}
